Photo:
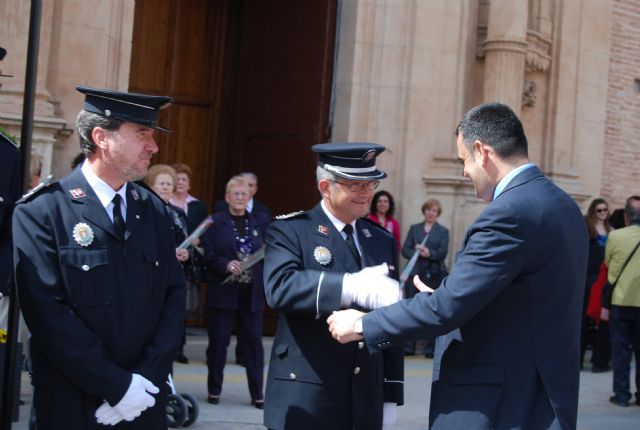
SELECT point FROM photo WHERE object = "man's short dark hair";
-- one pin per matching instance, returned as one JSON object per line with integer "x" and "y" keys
{"x": 632, "y": 212}
{"x": 496, "y": 125}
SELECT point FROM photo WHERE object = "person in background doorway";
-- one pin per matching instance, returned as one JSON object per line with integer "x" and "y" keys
{"x": 233, "y": 291}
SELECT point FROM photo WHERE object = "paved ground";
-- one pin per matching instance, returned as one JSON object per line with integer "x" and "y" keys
{"x": 235, "y": 413}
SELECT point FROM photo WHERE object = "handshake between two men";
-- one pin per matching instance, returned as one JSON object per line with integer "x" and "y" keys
{"x": 370, "y": 288}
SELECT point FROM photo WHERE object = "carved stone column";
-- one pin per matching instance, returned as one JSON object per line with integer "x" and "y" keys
{"x": 14, "y": 34}
{"x": 505, "y": 51}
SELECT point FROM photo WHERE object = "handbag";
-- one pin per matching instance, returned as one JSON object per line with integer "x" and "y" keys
{"x": 607, "y": 290}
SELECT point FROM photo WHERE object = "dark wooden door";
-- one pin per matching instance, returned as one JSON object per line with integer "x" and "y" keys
{"x": 252, "y": 85}
{"x": 179, "y": 50}
{"x": 285, "y": 68}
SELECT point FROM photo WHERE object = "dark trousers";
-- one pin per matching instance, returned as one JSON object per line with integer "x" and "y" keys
{"x": 625, "y": 337}
{"x": 601, "y": 356}
{"x": 249, "y": 325}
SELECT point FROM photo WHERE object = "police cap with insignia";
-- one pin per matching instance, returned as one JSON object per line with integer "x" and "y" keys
{"x": 137, "y": 108}
{"x": 350, "y": 160}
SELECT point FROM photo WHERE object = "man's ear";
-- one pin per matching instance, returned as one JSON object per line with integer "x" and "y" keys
{"x": 483, "y": 151}
{"x": 99, "y": 136}
{"x": 323, "y": 186}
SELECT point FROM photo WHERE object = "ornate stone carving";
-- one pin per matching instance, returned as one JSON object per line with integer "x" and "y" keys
{"x": 538, "y": 52}
{"x": 529, "y": 93}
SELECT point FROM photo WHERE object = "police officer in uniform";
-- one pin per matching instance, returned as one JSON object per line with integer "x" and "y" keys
{"x": 99, "y": 283}
{"x": 9, "y": 194}
{"x": 317, "y": 262}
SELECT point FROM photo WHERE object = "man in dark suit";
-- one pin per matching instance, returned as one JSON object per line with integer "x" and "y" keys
{"x": 318, "y": 262}
{"x": 99, "y": 283}
{"x": 508, "y": 315}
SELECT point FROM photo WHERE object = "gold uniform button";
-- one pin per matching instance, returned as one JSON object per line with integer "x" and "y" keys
{"x": 356, "y": 370}
{"x": 360, "y": 345}
{"x": 85, "y": 267}
{"x": 292, "y": 376}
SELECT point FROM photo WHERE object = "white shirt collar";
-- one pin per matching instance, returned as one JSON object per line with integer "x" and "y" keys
{"x": 339, "y": 225}
{"x": 250, "y": 205}
{"x": 508, "y": 177}
{"x": 104, "y": 192}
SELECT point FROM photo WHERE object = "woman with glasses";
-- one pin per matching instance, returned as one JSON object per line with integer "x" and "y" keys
{"x": 596, "y": 331}
{"x": 235, "y": 291}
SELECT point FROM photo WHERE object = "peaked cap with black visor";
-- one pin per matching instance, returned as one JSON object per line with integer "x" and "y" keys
{"x": 350, "y": 160}
{"x": 137, "y": 108}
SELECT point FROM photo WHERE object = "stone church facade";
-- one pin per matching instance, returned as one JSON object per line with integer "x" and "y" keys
{"x": 405, "y": 71}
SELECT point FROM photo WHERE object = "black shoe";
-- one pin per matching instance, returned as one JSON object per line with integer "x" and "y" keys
{"x": 618, "y": 402}
{"x": 214, "y": 400}
{"x": 596, "y": 369}
{"x": 181, "y": 358}
{"x": 258, "y": 404}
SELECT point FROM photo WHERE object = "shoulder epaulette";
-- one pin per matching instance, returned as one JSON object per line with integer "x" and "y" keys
{"x": 37, "y": 189}
{"x": 6, "y": 137}
{"x": 373, "y": 223}
{"x": 289, "y": 215}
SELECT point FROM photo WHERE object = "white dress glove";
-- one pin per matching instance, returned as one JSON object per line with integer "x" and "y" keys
{"x": 389, "y": 414}
{"x": 137, "y": 398}
{"x": 370, "y": 288}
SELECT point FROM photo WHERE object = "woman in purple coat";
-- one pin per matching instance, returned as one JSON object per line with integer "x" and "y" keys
{"x": 235, "y": 235}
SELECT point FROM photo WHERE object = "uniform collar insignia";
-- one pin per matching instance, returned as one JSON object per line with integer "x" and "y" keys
{"x": 366, "y": 232}
{"x": 77, "y": 193}
{"x": 134, "y": 194}
{"x": 323, "y": 230}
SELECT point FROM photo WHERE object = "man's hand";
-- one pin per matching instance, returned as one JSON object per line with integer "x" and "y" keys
{"x": 370, "y": 288}
{"x": 341, "y": 325}
{"x": 137, "y": 398}
{"x": 421, "y": 286}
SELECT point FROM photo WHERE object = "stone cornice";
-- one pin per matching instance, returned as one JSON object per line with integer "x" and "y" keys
{"x": 538, "y": 52}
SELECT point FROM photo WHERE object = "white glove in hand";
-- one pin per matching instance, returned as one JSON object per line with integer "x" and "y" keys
{"x": 370, "y": 288}
{"x": 132, "y": 404}
{"x": 108, "y": 415}
{"x": 389, "y": 414}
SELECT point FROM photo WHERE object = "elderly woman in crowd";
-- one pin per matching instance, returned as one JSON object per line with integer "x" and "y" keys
{"x": 232, "y": 290}
{"x": 162, "y": 179}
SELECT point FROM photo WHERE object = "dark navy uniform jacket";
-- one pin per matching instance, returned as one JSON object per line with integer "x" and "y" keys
{"x": 9, "y": 193}
{"x": 100, "y": 312}
{"x": 314, "y": 382}
{"x": 508, "y": 315}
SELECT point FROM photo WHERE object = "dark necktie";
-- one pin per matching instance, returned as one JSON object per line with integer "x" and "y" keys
{"x": 118, "y": 221}
{"x": 351, "y": 243}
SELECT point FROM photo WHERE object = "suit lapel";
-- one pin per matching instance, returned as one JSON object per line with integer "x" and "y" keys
{"x": 80, "y": 193}
{"x": 328, "y": 236}
{"x": 134, "y": 210}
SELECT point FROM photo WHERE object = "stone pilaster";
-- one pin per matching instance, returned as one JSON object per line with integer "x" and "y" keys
{"x": 505, "y": 51}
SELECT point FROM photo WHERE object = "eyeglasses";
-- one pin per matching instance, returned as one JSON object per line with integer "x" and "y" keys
{"x": 359, "y": 186}
{"x": 602, "y": 210}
